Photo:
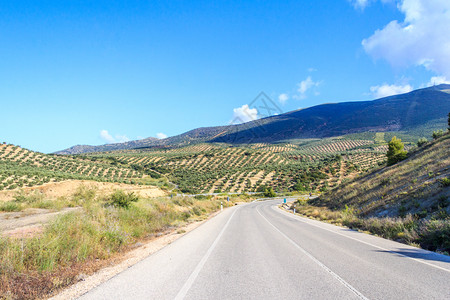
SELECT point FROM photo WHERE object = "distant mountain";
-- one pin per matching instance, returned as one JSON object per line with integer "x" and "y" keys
{"x": 395, "y": 113}
{"x": 194, "y": 136}
{"x": 79, "y": 149}
{"x": 405, "y": 112}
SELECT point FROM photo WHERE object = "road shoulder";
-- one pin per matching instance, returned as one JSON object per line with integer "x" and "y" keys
{"x": 142, "y": 251}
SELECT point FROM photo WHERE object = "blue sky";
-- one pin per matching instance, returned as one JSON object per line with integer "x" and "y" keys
{"x": 94, "y": 72}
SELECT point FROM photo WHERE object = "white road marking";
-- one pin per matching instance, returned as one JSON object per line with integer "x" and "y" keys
{"x": 345, "y": 283}
{"x": 188, "y": 284}
{"x": 367, "y": 243}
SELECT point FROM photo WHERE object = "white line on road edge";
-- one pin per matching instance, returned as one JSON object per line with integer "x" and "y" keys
{"x": 188, "y": 284}
{"x": 345, "y": 283}
{"x": 367, "y": 243}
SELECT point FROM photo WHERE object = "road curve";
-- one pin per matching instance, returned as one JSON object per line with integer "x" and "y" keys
{"x": 257, "y": 251}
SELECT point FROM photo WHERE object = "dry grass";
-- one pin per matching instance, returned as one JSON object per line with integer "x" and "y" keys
{"x": 83, "y": 240}
{"x": 411, "y": 186}
{"x": 54, "y": 190}
{"x": 432, "y": 234}
{"x": 406, "y": 202}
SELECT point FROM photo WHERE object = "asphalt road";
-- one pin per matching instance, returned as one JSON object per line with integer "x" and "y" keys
{"x": 257, "y": 251}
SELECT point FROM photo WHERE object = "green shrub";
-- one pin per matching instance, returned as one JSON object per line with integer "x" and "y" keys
{"x": 448, "y": 121}
{"x": 300, "y": 187}
{"x": 121, "y": 199}
{"x": 84, "y": 194}
{"x": 202, "y": 197}
{"x": 269, "y": 192}
{"x": 30, "y": 198}
{"x": 422, "y": 214}
{"x": 46, "y": 204}
{"x": 396, "y": 152}
{"x": 445, "y": 181}
{"x": 421, "y": 142}
{"x": 10, "y": 206}
{"x": 437, "y": 134}
{"x": 402, "y": 211}
{"x": 435, "y": 235}
{"x": 443, "y": 202}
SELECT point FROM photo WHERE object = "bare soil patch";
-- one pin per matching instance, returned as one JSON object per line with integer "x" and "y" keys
{"x": 29, "y": 222}
{"x": 53, "y": 190}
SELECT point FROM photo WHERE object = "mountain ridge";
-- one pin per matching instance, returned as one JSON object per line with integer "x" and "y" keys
{"x": 401, "y": 112}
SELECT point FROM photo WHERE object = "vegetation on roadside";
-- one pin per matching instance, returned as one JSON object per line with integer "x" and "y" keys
{"x": 34, "y": 199}
{"x": 82, "y": 240}
{"x": 121, "y": 199}
{"x": 408, "y": 202}
{"x": 431, "y": 234}
{"x": 416, "y": 185}
{"x": 269, "y": 192}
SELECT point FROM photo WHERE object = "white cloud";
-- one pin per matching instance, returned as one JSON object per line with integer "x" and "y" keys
{"x": 421, "y": 39}
{"x": 122, "y": 138}
{"x": 436, "y": 80}
{"x": 107, "y": 137}
{"x": 361, "y": 4}
{"x": 104, "y": 134}
{"x": 385, "y": 90}
{"x": 244, "y": 114}
{"x": 283, "y": 98}
{"x": 306, "y": 85}
{"x": 161, "y": 135}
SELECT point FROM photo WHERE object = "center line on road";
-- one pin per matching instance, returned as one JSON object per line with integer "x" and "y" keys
{"x": 188, "y": 284}
{"x": 340, "y": 279}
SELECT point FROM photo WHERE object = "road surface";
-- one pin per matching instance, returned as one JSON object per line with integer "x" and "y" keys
{"x": 257, "y": 251}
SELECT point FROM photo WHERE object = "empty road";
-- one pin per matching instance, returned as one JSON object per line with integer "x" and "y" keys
{"x": 257, "y": 251}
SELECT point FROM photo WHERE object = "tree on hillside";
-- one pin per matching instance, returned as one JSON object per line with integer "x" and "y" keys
{"x": 396, "y": 151}
{"x": 422, "y": 141}
{"x": 269, "y": 192}
{"x": 448, "y": 121}
{"x": 300, "y": 187}
{"x": 438, "y": 133}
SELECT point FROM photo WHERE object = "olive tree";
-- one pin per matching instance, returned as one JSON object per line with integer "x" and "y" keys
{"x": 396, "y": 151}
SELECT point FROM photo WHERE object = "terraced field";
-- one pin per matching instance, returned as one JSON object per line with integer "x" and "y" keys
{"x": 217, "y": 168}
{"x": 204, "y": 168}
{"x": 20, "y": 167}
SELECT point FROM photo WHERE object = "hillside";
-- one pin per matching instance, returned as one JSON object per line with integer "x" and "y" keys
{"x": 79, "y": 149}
{"x": 403, "y": 112}
{"x": 412, "y": 114}
{"x": 316, "y": 164}
{"x": 20, "y": 167}
{"x": 418, "y": 185}
{"x": 407, "y": 202}
{"x": 216, "y": 168}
